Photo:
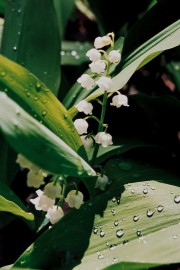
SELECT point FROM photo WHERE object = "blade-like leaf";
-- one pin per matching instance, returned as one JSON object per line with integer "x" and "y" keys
{"x": 30, "y": 93}
{"x": 145, "y": 239}
{"x": 11, "y": 207}
{"x": 37, "y": 50}
{"x": 37, "y": 143}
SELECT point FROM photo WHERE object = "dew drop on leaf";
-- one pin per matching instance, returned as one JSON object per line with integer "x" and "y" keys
{"x": 119, "y": 233}
{"x": 101, "y": 256}
{"x": 102, "y": 233}
{"x": 135, "y": 218}
{"x": 113, "y": 199}
{"x": 139, "y": 233}
{"x": 145, "y": 191}
{"x": 150, "y": 213}
{"x": 132, "y": 191}
{"x": 44, "y": 113}
{"x": 125, "y": 242}
{"x": 177, "y": 199}
{"x": 113, "y": 212}
{"x": 116, "y": 222}
{"x": 3, "y": 73}
{"x": 160, "y": 208}
{"x": 112, "y": 247}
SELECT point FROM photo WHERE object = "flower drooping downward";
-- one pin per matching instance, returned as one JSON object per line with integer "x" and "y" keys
{"x": 74, "y": 199}
{"x": 102, "y": 181}
{"x": 54, "y": 214}
{"x": 84, "y": 106}
{"x": 104, "y": 139}
{"x": 42, "y": 202}
{"x": 119, "y": 100}
{"x": 81, "y": 126}
{"x": 86, "y": 81}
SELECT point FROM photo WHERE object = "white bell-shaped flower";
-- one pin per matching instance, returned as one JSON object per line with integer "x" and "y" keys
{"x": 52, "y": 190}
{"x": 104, "y": 139}
{"x": 100, "y": 42}
{"x": 74, "y": 199}
{"x": 87, "y": 141}
{"x": 97, "y": 67}
{"x": 54, "y": 214}
{"x": 23, "y": 162}
{"x": 35, "y": 178}
{"x": 119, "y": 100}
{"x": 84, "y": 106}
{"x": 101, "y": 182}
{"x": 114, "y": 56}
{"x": 104, "y": 83}
{"x": 86, "y": 81}
{"x": 81, "y": 125}
{"x": 42, "y": 202}
{"x": 93, "y": 54}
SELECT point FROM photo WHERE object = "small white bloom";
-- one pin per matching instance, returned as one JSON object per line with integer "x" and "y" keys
{"x": 103, "y": 138}
{"x": 119, "y": 100}
{"x": 102, "y": 181}
{"x": 23, "y": 162}
{"x": 53, "y": 191}
{"x": 88, "y": 142}
{"x": 93, "y": 55}
{"x": 35, "y": 178}
{"x": 54, "y": 214}
{"x": 102, "y": 41}
{"x": 81, "y": 125}
{"x": 84, "y": 106}
{"x": 86, "y": 81}
{"x": 104, "y": 83}
{"x": 114, "y": 56}
{"x": 42, "y": 202}
{"x": 97, "y": 67}
{"x": 74, "y": 200}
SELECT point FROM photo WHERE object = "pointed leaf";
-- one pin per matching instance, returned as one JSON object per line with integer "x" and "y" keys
{"x": 30, "y": 138}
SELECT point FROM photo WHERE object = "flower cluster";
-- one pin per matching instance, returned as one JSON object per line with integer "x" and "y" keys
{"x": 46, "y": 201}
{"x": 100, "y": 76}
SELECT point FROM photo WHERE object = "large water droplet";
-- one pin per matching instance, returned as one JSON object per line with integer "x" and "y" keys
{"x": 119, "y": 233}
{"x": 177, "y": 199}
{"x": 38, "y": 85}
{"x": 132, "y": 191}
{"x": 102, "y": 233}
{"x": 35, "y": 98}
{"x": 150, "y": 213}
{"x": 135, "y": 218}
{"x": 44, "y": 113}
{"x": 15, "y": 48}
{"x": 95, "y": 230}
{"x": 139, "y": 233}
{"x": 101, "y": 256}
{"x": 160, "y": 208}
{"x": 73, "y": 53}
{"x": 112, "y": 247}
{"x": 145, "y": 191}
{"x": 125, "y": 242}
{"x": 113, "y": 199}
{"x": 3, "y": 73}
{"x": 116, "y": 222}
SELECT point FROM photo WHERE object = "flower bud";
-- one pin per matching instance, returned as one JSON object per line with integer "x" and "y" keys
{"x": 101, "y": 182}
{"x": 87, "y": 141}
{"x": 53, "y": 191}
{"x": 35, "y": 178}
{"x": 102, "y": 41}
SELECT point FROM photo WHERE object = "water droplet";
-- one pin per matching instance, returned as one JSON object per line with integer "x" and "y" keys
{"x": 15, "y": 123}
{"x": 35, "y": 98}
{"x": 95, "y": 230}
{"x": 135, "y": 218}
{"x": 116, "y": 223}
{"x": 19, "y": 33}
{"x": 153, "y": 188}
{"x": 150, "y": 213}
{"x": 3, "y": 73}
{"x": 77, "y": 57}
{"x": 113, "y": 199}
{"x": 118, "y": 200}
{"x": 101, "y": 256}
{"x": 112, "y": 247}
{"x": 44, "y": 101}
{"x": 62, "y": 53}
{"x": 107, "y": 244}
{"x": 139, "y": 233}
{"x": 19, "y": 10}
{"x": 160, "y": 208}
{"x": 44, "y": 113}
{"x": 177, "y": 199}
{"x": 175, "y": 236}
{"x": 125, "y": 242}
{"x": 113, "y": 212}
{"x": 17, "y": 110}
{"x": 28, "y": 94}
{"x": 132, "y": 191}
{"x": 115, "y": 259}
{"x": 102, "y": 233}
{"x": 125, "y": 166}
{"x": 119, "y": 233}
{"x": 15, "y": 48}
{"x": 145, "y": 191}
{"x": 38, "y": 85}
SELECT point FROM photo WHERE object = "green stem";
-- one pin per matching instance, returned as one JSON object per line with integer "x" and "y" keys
{"x": 100, "y": 127}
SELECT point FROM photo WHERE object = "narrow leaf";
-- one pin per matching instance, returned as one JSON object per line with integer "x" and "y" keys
{"x": 30, "y": 138}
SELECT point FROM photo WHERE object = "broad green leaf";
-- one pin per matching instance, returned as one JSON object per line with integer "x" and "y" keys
{"x": 74, "y": 52}
{"x": 2, "y": 6}
{"x": 33, "y": 41}
{"x": 11, "y": 207}
{"x": 36, "y": 142}
{"x": 30, "y": 93}
{"x": 63, "y": 11}
{"x": 88, "y": 237}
